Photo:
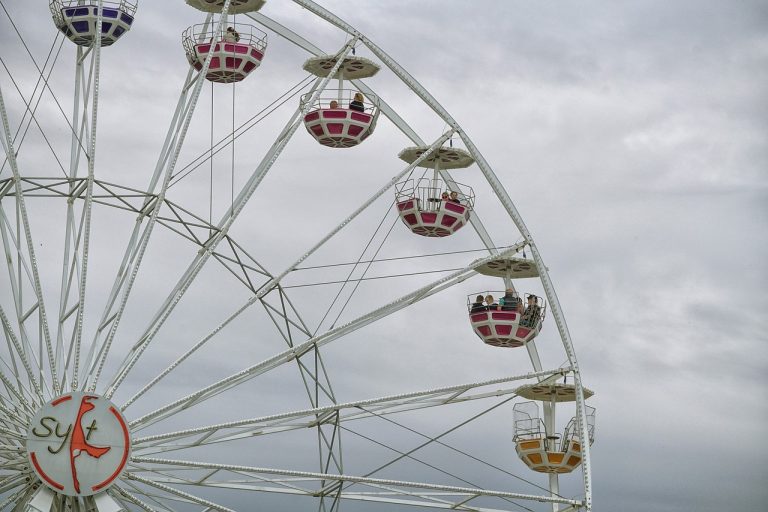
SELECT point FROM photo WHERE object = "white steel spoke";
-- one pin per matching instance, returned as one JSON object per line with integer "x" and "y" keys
{"x": 10, "y": 418}
{"x": 17, "y": 272}
{"x": 187, "y": 496}
{"x": 21, "y": 401}
{"x": 77, "y": 235}
{"x": 226, "y": 222}
{"x": 8, "y": 329}
{"x": 317, "y": 341}
{"x": 12, "y": 482}
{"x": 276, "y": 280}
{"x": 20, "y": 393}
{"x": 132, "y": 497}
{"x": 348, "y": 411}
{"x": 462, "y": 492}
{"x": 99, "y": 351}
{"x": 11, "y": 433}
{"x": 15, "y": 497}
{"x": 21, "y": 207}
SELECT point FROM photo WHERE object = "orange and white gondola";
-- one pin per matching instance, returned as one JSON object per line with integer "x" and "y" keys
{"x": 78, "y": 20}
{"x": 542, "y": 449}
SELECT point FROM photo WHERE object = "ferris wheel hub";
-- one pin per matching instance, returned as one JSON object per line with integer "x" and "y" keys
{"x": 78, "y": 444}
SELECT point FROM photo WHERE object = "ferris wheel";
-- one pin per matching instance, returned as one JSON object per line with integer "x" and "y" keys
{"x": 162, "y": 351}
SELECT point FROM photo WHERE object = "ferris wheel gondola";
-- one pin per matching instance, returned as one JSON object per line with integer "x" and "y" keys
{"x": 78, "y": 19}
{"x": 537, "y": 443}
{"x": 510, "y": 324}
{"x": 340, "y": 118}
{"x": 432, "y": 207}
{"x": 236, "y": 50}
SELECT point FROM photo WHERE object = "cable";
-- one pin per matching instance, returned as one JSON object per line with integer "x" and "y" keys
{"x": 360, "y": 280}
{"x": 436, "y": 439}
{"x": 210, "y": 192}
{"x": 232, "y": 177}
{"x": 200, "y": 160}
{"x": 381, "y": 416}
{"x": 403, "y": 258}
{"x": 33, "y": 111}
{"x": 55, "y": 156}
{"x": 351, "y": 271}
{"x": 457, "y": 477}
{"x": 374, "y": 278}
{"x": 38, "y": 67}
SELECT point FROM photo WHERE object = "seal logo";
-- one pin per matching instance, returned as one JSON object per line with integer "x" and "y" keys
{"x": 78, "y": 444}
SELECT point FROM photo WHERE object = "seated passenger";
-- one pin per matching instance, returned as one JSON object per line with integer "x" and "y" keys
{"x": 455, "y": 197}
{"x": 477, "y": 306}
{"x": 357, "y": 103}
{"x": 231, "y": 35}
{"x": 334, "y": 104}
{"x": 490, "y": 303}
{"x": 532, "y": 312}
{"x": 511, "y": 302}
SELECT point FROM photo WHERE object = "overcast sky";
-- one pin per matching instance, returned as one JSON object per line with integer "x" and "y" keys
{"x": 631, "y": 137}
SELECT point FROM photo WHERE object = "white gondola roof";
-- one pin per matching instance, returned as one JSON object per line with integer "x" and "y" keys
{"x": 545, "y": 392}
{"x": 352, "y": 66}
{"x": 515, "y": 268}
{"x": 449, "y": 158}
{"x": 235, "y": 6}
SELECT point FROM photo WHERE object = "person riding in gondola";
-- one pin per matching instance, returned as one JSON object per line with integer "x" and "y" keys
{"x": 231, "y": 35}
{"x": 357, "y": 103}
{"x": 532, "y": 312}
{"x": 478, "y": 306}
{"x": 511, "y": 302}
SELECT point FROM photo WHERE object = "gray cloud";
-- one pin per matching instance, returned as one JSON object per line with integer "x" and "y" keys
{"x": 630, "y": 136}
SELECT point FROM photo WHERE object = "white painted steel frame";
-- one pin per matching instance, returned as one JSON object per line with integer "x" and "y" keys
{"x": 26, "y": 265}
{"x": 223, "y": 226}
{"x": 316, "y": 341}
{"x": 77, "y": 238}
{"x": 356, "y": 410}
{"x": 154, "y": 207}
{"x": 389, "y": 485}
{"x": 179, "y": 134}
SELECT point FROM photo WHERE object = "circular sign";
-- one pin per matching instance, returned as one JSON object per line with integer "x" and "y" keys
{"x": 78, "y": 444}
